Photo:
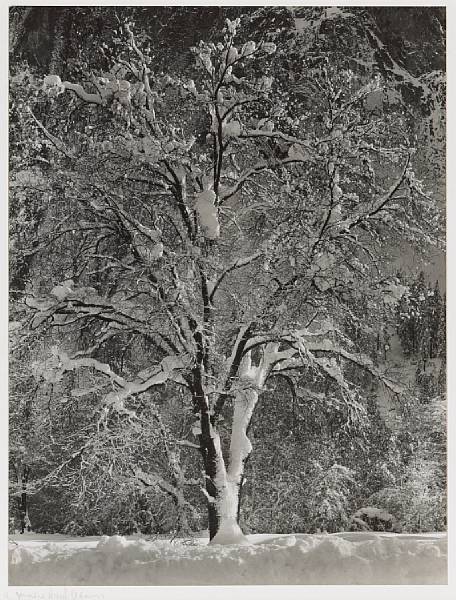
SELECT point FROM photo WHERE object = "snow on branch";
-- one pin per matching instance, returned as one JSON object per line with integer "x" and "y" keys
{"x": 37, "y": 485}
{"x": 60, "y": 363}
{"x": 187, "y": 444}
{"x": 133, "y": 44}
{"x": 264, "y": 133}
{"x": 245, "y": 176}
{"x": 240, "y": 262}
{"x": 232, "y": 365}
{"x": 147, "y": 241}
{"x": 67, "y": 363}
{"x": 119, "y": 92}
{"x": 325, "y": 328}
{"x": 297, "y": 154}
{"x": 154, "y": 480}
{"x": 304, "y": 348}
{"x": 82, "y": 94}
{"x": 379, "y": 204}
{"x": 68, "y": 303}
{"x": 362, "y": 361}
{"x": 307, "y": 350}
{"x": 207, "y": 214}
{"x": 54, "y": 86}
{"x": 52, "y": 138}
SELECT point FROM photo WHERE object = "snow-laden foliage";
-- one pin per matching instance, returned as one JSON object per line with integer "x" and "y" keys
{"x": 204, "y": 231}
{"x": 421, "y": 320}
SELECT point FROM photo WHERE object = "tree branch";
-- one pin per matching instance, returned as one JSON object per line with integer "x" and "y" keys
{"x": 240, "y": 262}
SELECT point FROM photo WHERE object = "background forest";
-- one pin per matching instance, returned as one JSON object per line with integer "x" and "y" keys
{"x": 115, "y": 113}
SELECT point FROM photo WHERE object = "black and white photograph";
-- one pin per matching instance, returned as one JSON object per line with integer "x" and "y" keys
{"x": 227, "y": 296}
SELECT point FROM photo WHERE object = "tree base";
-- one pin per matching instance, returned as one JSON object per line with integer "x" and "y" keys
{"x": 229, "y": 533}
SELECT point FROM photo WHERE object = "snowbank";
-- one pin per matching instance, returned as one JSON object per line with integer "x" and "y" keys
{"x": 346, "y": 558}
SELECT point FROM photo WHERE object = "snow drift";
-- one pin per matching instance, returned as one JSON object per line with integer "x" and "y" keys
{"x": 344, "y": 558}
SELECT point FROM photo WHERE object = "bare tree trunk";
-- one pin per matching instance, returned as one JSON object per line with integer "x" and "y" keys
{"x": 209, "y": 454}
{"x": 182, "y": 526}
{"x": 229, "y": 477}
{"x": 224, "y": 478}
{"x": 241, "y": 487}
{"x": 23, "y": 504}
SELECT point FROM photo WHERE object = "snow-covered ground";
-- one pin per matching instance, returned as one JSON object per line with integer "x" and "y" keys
{"x": 342, "y": 558}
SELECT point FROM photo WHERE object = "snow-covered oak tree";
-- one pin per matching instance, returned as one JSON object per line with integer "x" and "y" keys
{"x": 225, "y": 233}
